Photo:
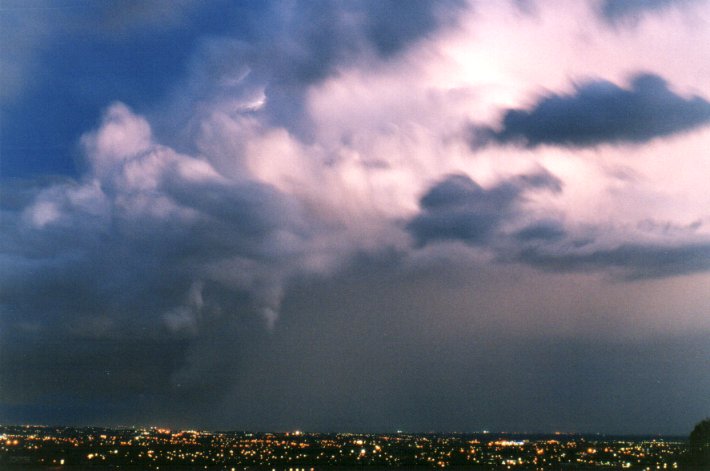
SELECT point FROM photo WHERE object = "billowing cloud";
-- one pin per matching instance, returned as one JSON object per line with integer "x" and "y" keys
{"x": 600, "y": 112}
{"x": 177, "y": 210}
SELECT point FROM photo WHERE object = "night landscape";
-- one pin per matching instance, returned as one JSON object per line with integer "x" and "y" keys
{"x": 296, "y": 235}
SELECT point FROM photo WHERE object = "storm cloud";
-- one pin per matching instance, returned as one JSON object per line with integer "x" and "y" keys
{"x": 600, "y": 112}
{"x": 635, "y": 260}
{"x": 624, "y": 10}
{"x": 148, "y": 220}
{"x": 269, "y": 215}
{"x": 80, "y": 57}
{"x": 457, "y": 208}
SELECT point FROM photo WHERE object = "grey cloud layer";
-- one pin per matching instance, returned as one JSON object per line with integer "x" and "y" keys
{"x": 458, "y": 209}
{"x": 138, "y": 292}
{"x": 600, "y": 112}
{"x": 636, "y": 260}
{"x": 624, "y": 10}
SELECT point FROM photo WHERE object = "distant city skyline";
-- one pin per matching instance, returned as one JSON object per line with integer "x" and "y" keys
{"x": 162, "y": 448}
{"x": 369, "y": 215}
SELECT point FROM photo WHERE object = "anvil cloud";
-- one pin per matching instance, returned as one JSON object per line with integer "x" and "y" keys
{"x": 369, "y": 215}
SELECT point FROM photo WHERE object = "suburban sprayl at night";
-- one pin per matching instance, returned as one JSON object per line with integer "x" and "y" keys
{"x": 159, "y": 448}
{"x": 394, "y": 218}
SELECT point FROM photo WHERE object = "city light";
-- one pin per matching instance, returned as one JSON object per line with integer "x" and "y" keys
{"x": 159, "y": 448}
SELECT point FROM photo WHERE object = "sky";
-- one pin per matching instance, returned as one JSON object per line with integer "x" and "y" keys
{"x": 370, "y": 215}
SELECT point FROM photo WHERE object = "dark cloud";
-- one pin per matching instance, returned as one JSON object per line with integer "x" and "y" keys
{"x": 457, "y": 208}
{"x": 391, "y": 24}
{"x": 601, "y": 112}
{"x": 542, "y": 230}
{"x": 634, "y": 260}
{"x": 158, "y": 271}
{"x": 323, "y": 33}
{"x": 141, "y": 53}
{"x": 295, "y": 47}
{"x": 246, "y": 214}
{"x": 378, "y": 347}
{"x": 75, "y": 58}
{"x": 132, "y": 16}
{"x": 146, "y": 289}
{"x": 631, "y": 10}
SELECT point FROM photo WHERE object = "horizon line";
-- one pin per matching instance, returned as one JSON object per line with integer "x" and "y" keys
{"x": 297, "y": 432}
